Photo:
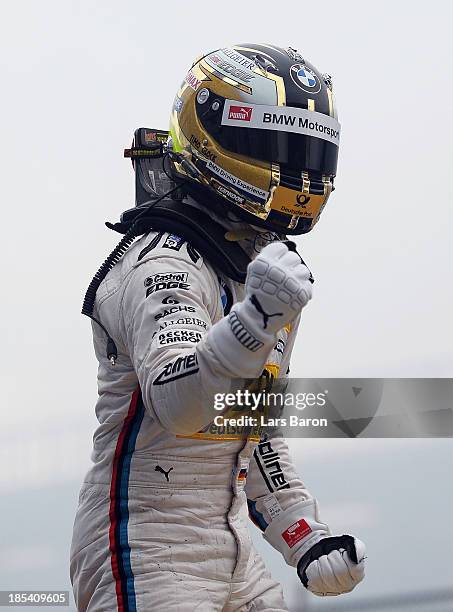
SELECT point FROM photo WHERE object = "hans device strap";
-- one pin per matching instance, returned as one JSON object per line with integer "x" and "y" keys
{"x": 199, "y": 229}
{"x": 155, "y": 210}
{"x": 152, "y": 181}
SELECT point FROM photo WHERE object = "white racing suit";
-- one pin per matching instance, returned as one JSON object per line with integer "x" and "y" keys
{"x": 162, "y": 521}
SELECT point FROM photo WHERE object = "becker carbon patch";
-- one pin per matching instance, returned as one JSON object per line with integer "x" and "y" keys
{"x": 178, "y": 336}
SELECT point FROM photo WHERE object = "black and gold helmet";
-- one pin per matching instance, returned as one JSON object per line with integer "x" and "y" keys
{"x": 255, "y": 127}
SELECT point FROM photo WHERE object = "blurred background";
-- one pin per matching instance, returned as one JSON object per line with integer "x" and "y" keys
{"x": 77, "y": 78}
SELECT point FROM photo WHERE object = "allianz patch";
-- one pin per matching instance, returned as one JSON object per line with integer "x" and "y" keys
{"x": 282, "y": 119}
{"x": 166, "y": 280}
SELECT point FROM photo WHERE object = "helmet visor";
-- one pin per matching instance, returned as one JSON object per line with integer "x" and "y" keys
{"x": 295, "y": 137}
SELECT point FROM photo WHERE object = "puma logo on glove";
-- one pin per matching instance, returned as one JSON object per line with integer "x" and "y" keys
{"x": 259, "y": 308}
{"x": 277, "y": 286}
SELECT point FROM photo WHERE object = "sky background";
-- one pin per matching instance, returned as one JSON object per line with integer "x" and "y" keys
{"x": 77, "y": 78}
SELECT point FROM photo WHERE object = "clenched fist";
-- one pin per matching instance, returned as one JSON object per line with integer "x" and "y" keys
{"x": 333, "y": 566}
{"x": 277, "y": 287}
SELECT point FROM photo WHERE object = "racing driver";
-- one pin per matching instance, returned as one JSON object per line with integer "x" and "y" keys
{"x": 210, "y": 293}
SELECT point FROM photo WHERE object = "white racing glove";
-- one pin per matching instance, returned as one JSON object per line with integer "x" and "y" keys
{"x": 277, "y": 287}
{"x": 334, "y": 565}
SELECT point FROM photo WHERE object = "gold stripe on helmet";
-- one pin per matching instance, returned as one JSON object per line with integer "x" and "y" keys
{"x": 207, "y": 69}
{"x": 330, "y": 98}
{"x": 305, "y": 182}
{"x": 280, "y": 85}
{"x": 275, "y": 175}
{"x": 327, "y": 182}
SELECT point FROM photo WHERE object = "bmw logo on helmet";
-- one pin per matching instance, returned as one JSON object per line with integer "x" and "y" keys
{"x": 305, "y": 78}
